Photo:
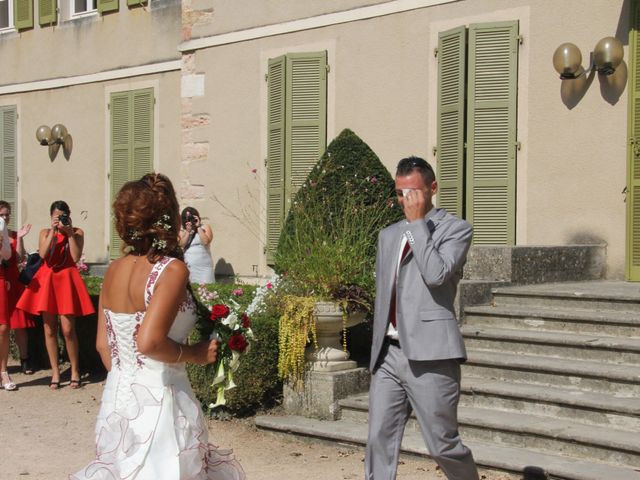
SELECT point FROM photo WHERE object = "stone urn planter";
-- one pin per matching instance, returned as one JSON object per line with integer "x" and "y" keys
{"x": 330, "y": 356}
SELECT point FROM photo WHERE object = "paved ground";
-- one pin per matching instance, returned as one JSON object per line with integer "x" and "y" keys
{"x": 46, "y": 435}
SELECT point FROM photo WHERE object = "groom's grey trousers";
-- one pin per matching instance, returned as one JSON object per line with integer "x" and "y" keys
{"x": 431, "y": 389}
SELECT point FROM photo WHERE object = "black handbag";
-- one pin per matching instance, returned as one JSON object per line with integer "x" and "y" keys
{"x": 34, "y": 260}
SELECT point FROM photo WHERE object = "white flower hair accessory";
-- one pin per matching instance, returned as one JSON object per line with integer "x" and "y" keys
{"x": 163, "y": 222}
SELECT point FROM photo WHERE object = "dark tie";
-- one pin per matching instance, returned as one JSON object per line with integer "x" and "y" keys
{"x": 392, "y": 304}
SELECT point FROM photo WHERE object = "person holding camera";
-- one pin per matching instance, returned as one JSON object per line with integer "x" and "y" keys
{"x": 12, "y": 318}
{"x": 57, "y": 292}
{"x": 195, "y": 238}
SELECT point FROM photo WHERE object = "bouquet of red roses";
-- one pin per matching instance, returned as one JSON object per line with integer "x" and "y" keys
{"x": 233, "y": 330}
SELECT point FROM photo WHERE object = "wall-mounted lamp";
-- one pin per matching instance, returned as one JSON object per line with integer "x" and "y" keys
{"x": 54, "y": 138}
{"x": 605, "y": 58}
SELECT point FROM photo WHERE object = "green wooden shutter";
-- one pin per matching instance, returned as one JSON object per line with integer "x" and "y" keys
{"x": 142, "y": 132}
{"x": 107, "y": 6}
{"x": 491, "y": 132}
{"x": 306, "y": 118}
{"x": 133, "y": 3}
{"x": 23, "y": 14}
{"x": 275, "y": 152}
{"x": 120, "y": 155}
{"x": 451, "y": 109}
{"x": 47, "y": 12}
{"x": 131, "y": 144}
{"x": 8, "y": 157}
{"x": 633, "y": 155}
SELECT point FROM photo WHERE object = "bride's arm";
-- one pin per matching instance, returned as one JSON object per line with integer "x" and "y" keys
{"x": 153, "y": 340}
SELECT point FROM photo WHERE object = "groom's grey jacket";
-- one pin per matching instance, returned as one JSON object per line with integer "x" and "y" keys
{"x": 426, "y": 286}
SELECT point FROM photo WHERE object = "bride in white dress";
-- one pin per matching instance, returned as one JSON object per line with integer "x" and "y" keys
{"x": 150, "y": 426}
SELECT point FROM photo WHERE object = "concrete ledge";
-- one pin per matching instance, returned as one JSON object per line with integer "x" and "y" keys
{"x": 322, "y": 391}
{"x": 536, "y": 264}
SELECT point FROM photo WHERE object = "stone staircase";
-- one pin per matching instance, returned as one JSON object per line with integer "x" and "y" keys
{"x": 552, "y": 383}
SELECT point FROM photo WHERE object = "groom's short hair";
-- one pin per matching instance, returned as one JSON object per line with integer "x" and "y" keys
{"x": 406, "y": 166}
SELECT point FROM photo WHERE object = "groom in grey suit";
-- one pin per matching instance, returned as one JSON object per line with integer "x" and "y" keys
{"x": 417, "y": 346}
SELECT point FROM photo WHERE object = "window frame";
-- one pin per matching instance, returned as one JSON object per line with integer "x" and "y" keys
{"x": 10, "y": 14}
{"x": 85, "y": 13}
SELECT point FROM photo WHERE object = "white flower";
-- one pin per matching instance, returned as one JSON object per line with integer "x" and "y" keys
{"x": 231, "y": 321}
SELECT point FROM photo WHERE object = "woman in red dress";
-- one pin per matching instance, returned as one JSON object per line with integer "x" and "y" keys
{"x": 10, "y": 316}
{"x": 57, "y": 291}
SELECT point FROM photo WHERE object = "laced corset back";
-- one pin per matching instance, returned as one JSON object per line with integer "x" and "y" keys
{"x": 122, "y": 333}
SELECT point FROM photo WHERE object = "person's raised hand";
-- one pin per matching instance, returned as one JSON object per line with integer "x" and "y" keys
{"x": 24, "y": 230}
{"x": 414, "y": 205}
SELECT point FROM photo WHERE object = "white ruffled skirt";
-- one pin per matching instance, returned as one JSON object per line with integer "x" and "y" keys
{"x": 151, "y": 428}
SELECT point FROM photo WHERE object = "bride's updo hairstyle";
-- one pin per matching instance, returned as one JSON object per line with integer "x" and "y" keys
{"x": 147, "y": 217}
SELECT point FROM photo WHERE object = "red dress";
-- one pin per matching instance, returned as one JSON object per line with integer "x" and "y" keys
{"x": 10, "y": 295}
{"x": 57, "y": 286}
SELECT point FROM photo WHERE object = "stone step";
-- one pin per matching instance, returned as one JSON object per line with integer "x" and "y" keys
{"x": 523, "y": 430}
{"x": 608, "y": 322}
{"x": 617, "y": 379}
{"x": 550, "y": 435}
{"x": 621, "y": 296}
{"x": 600, "y": 409}
{"x": 600, "y": 348}
{"x": 486, "y": 454}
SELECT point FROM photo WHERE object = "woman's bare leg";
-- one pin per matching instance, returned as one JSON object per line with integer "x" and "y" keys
{"x": 68, "y": 324}
{"x": 50, "y": 321}
{"x": 4, "y": 347}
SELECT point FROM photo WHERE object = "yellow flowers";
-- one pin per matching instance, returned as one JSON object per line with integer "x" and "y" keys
{"x": 297, "y": 327}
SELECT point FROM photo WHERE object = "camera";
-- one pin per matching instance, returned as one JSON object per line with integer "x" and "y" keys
{"x": 64, "y": 219}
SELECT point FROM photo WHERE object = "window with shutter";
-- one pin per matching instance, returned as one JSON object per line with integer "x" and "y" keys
{"x": 306, "y": 117}
{"x": 633, "y": 155}
{"x": 8, "y": 158}
{"x": 105, "y": 6}
{"x": 491, "y": 132}
{"x": 275, "y": 152}
{"x": 131, "y": 144}
{"x": 23, "y": 14}
{"x": 452, "y": 47}
{"x": 476, "y": 143}
{"x": 297, "y": 131}
{"x": 47, "y": 12}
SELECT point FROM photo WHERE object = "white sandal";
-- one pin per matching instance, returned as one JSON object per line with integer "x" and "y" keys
{"x": 8, "y": 385}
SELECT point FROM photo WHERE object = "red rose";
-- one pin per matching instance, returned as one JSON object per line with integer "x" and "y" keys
{"x": 219, "y": 311}
{"x": 246, "y": 322}
{"x": 237, "y": 342}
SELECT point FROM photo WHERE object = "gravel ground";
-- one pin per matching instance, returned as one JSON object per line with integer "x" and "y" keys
{"x": 46, "y": 435}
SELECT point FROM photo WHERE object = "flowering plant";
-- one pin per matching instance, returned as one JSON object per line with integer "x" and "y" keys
{"x": 83, "y": 268}
{"x": 228, "y": 324}
{"x": 327, "y": 248}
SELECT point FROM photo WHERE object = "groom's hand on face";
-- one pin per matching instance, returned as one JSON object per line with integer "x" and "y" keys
{"x": 414, "y": 205}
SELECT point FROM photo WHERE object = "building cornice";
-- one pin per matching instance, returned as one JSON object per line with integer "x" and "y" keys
{"x": 104, "y": 76}
{"x": 362, "y": 13}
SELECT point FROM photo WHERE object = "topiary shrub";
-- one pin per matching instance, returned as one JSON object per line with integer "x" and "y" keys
{"x": 327, "y": 248}
{"x": 328, "y": 243}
